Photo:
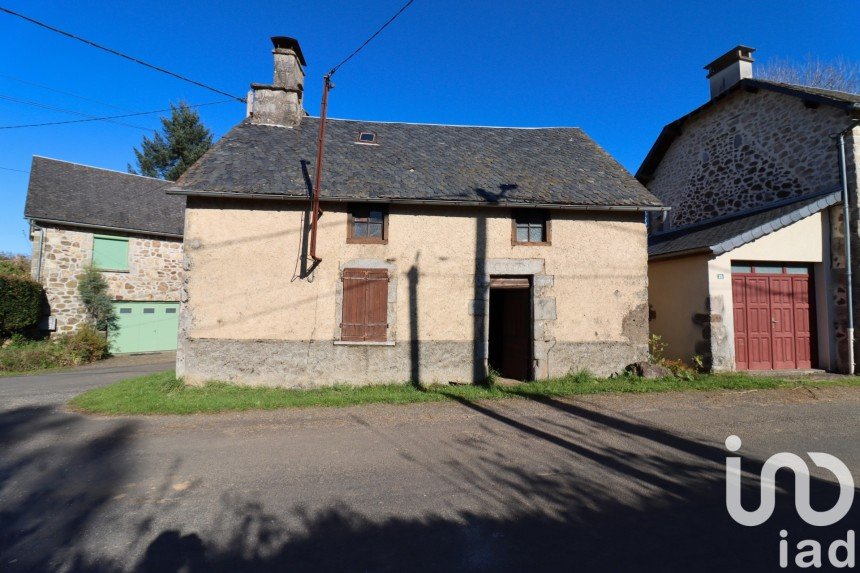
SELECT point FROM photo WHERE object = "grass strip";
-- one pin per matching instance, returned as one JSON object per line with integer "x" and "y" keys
{"x": 163, "y": 393}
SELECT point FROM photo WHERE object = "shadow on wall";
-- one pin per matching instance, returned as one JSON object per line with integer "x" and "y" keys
{"x": 669, "y": 516}
{"x": 414, "y": 342}
{"x": 481, "y": 293}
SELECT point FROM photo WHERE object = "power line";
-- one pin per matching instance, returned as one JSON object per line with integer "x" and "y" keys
{"x": 120, "y": 54}
{"x": 108, "y": 118}
{"x": 11, "y": 169}
{"x": 64, "y": 110}
{"x": 70, "y": 94}
{"x": 375, "y": 34}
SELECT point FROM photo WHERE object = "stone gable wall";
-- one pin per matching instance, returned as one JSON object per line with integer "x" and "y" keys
{"x": 154, "y": 271}
{"x": 750, "y": 150}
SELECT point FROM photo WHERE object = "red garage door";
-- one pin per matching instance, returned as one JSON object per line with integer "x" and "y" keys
{"x": 773, "y": 315}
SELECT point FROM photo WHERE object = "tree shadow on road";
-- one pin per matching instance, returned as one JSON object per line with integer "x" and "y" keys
{"x": 53, "y": 483}
{"x": 591, "y": 491}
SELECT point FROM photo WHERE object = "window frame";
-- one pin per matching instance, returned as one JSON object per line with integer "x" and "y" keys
{"x": 547, "y": 227}
{"x": 350, "y": 224}
{"x": 116, "y": 238}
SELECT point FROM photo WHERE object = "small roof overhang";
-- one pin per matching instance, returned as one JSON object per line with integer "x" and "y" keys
{"x": 717, "y": 237}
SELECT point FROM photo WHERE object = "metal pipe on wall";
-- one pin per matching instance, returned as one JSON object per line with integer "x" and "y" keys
{"x": 327, "y": 85}
{"x": 843, "y": 171}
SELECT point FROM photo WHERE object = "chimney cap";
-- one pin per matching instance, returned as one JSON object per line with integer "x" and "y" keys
{"x": 287, "y": 43}
{"x": 736, "y": 54}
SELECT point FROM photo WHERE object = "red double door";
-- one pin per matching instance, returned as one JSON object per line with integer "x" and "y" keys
{"x": 773, "y": 319}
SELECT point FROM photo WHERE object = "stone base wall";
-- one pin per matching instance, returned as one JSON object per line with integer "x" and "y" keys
{"x": 308, "y": 364}
{"x": 154, "y": 271}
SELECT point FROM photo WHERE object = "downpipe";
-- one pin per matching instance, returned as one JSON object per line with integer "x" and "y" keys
{"x": 846, "y": 224}
{"x": 315, "y": 208}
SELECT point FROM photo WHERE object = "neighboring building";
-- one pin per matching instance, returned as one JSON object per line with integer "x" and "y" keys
{"x": 128, "y": 228}
{"x": 748, "y": 267}
{"x": 444, "y": 249}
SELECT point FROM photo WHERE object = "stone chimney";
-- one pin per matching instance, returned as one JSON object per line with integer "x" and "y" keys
{"x": 729, "y": 69}
{"x": 280, "y": 103}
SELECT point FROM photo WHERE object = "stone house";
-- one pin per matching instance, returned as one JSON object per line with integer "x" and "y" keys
{"x": 445, "y": 250}
{"x": 747, "y": 270}
{"x": 124, "y": 225}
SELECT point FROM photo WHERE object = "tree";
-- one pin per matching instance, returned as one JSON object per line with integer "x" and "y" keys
{"x": 839, "y": 75}
{"x": 12, "y": 264}
{"x": 93, "y": 290}
{"x": 181, "y": 142}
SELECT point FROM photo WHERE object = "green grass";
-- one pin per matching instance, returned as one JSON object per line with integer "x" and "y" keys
{"x": 163, "y": 394}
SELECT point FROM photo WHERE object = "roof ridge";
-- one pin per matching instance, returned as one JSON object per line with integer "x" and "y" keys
{"x": 100, "y": 168}
{"x": 447, "y": 124}
{"x": 803, "y": 87}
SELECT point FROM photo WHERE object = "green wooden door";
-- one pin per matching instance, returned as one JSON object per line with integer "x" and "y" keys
{"x": 145, "y": 327}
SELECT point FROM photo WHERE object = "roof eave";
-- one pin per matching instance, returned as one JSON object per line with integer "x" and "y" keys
{"x": 276, "y": 197}
{"x": 38, "y": 220}
{"x": 759, "y": 231}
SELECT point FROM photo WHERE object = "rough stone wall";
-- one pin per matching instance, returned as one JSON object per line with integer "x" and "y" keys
{"x": 749, "y": 150}
{"x": 154, "y": 271}
{"x": 250, "y": 315}
{"x": 754, "y": 149}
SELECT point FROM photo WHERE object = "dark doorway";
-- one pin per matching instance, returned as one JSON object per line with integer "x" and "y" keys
{"x": 510, "y": 327}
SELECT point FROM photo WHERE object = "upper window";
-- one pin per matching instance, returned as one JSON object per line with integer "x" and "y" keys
{"x": 530, "y": 227}
{"x": 110, "y": 253}
{"x": 367, "y": 224}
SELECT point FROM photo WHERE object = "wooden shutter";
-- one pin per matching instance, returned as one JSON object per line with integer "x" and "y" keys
{"x": 365, "y": 305}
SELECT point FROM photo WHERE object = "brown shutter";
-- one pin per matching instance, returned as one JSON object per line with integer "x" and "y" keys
{"x": 354, "y": 295}
{"x": 377, "y": 305}
{"x": 365, "y": 305}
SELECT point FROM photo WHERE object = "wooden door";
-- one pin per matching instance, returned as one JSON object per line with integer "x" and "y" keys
{"x": 516, "y": 346}
{"x": 802, "y": 321}
{"x": 739, "y": 298}
{"x": 782, "y": 322}
{"x": 773, "y": 317}
{"x": 758, "y": 323}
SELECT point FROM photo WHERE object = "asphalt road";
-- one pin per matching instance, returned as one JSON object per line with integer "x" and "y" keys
{"x": 608, "y": 483}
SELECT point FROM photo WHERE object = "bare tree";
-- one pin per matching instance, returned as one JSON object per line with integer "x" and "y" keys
{"x": 838, "y": 75}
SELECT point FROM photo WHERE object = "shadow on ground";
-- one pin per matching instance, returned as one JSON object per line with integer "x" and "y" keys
{"x": 603, "y": 505}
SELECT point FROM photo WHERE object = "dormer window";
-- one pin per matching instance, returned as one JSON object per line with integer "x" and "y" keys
{"x": 367, "y": 137}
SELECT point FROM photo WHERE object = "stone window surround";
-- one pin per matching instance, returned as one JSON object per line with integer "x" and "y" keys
{"x": 391, "y": 332}
{"x": 543, "y": 307}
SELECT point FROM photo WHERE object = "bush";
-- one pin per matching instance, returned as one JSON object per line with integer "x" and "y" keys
{"x": 93, "y": 289}
{"x": 20, "y": 303}
{"x": 679, "y": 369}
{"x": 84, "y": 346}
{"x": 15, "y": 265}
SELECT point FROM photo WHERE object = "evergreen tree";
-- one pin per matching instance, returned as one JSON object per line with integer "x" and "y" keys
{"x": 181, "y": 142}
{"x": 93, "y": 290}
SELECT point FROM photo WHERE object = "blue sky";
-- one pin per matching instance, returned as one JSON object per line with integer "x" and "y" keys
{"x": 620, "y": 70}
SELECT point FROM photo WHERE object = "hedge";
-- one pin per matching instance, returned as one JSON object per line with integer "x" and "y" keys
{"x": 20, "y": 303}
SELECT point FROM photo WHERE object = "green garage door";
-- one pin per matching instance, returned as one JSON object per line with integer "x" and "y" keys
{"x": 145, "y": 326}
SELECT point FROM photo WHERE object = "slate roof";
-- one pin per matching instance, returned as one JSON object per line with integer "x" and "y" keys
{"x": 726, "y": 234}
{"x": 843, "y": 100}
{"x": 555, "y": 167}
{"x": 88, "y": 196}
